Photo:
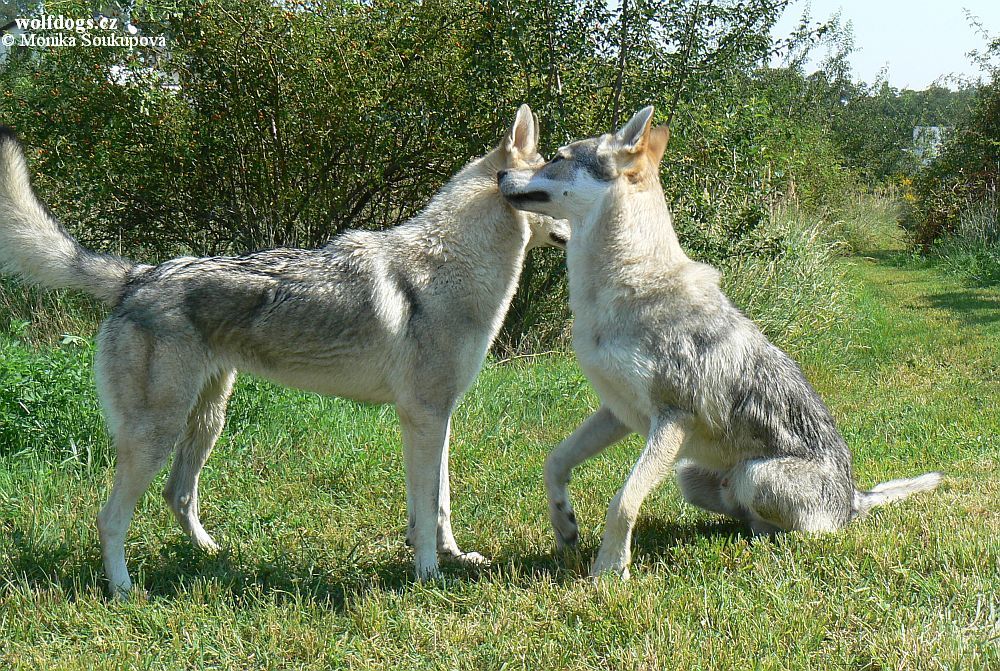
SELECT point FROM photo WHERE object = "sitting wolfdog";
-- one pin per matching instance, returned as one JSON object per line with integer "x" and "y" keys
{"x": 673, "y": 360}
{"x": 402, "y": 316}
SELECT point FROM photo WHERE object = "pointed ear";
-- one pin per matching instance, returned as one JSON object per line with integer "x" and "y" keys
{"x": 633, "y": 135}
{"x": 657, "y": 143}
{"x": 522, "y": 137}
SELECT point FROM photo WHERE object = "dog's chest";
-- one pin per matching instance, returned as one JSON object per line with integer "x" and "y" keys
{"x": 619, "y": 371}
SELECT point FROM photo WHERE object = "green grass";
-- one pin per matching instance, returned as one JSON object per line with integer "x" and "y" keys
{"x": 796, "y": 294}
{"x": 40, "y": 317}
{"x": 306, "y": 493}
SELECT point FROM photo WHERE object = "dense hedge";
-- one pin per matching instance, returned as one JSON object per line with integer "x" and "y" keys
{"x": 965, "y": 178}
{"x": 268, "y": 124}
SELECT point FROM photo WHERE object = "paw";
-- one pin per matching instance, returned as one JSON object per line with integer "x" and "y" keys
{"x": 206, "y": 544}
{"x": 471, "y": 559}
{"x": 610, "y": 564}
{"x": 761, "y": 529}
{"x": 427, "y": 570}
{"x": 428, "y": 575}
{"x": 564, "y": 524}
{"x": 120, "y": 592}
{"x": 566, "y": 540}
{"x": 597, "y": 571}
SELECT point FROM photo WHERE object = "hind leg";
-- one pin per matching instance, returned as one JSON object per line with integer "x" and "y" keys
{"x": 142, "y": 453}
{"x": 139, "y": 460}
{"x": 792, "y": 494}
{"x": 146, "y": 396}
{"x": 203, "y": 428}
{"x": 708, "y": 489}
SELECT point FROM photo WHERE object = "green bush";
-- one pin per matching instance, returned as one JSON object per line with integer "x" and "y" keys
{"x": 867, "y": 222}
{"x": 965, "y": 177}
{"x": 39, "y": 317}
{"x": 796, "y": 293}
{"x": 270, "y": 124}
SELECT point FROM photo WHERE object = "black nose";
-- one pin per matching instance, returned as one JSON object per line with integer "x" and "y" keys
{"x": 500, "y": 175}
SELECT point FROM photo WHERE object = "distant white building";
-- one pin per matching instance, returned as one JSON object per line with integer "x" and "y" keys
{"x": 927, "y": 141}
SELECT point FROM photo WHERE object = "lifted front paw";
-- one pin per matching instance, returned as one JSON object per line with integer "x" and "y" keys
{"x": 564, "y": 525}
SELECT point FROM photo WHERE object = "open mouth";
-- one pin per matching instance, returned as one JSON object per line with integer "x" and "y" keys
{"x": 527, "y": 197}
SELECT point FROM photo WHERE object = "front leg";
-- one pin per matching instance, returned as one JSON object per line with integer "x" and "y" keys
{"x": 662, "y": 445}
{"x": 425, "y": 437}
{"x": 447, "y": 547}
{"x": 599, "y": 431}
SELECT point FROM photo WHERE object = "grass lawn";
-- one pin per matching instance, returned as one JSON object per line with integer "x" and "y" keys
{"x": 306, "y": 494}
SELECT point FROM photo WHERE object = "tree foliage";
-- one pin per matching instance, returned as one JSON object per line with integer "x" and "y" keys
{"x": 966, "y": 175}
{"x": 283, "y": 123}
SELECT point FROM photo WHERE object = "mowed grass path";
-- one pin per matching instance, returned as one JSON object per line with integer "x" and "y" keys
{"x": 307, "y": 496}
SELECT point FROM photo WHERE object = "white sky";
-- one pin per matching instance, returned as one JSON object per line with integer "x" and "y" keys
{"x": 917, "y": 40}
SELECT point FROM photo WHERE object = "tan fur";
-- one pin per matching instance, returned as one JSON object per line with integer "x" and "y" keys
{"x": 403, "y": 316}
{"x": 673, "y": 360}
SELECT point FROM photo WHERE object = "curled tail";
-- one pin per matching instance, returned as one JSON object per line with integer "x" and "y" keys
{"x": 36, "y": 247}
{"x": 893, "y": 490}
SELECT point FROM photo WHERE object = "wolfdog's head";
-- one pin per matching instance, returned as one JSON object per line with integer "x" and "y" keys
{"x": 519, "y": 152}
{"x": 582, "y": 174}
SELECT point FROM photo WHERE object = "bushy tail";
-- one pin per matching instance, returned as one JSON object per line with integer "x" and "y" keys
{"x": 894, "y": 490}
{"x": 36, "y": 247}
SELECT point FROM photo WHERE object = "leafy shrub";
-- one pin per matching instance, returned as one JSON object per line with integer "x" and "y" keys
{"x": 965, "y": 175}
{"x": 796, "y": 293}
{"x": 269, "y": 124}
{"x": 36, "y": 316}
{"x": 868, "y": 222}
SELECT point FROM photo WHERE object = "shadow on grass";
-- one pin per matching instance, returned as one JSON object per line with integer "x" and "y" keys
{"x": 657, "y": 537}
{"x": 894, "y": 258}
{"x": 177, "y": 569}
{"x": 972, "y": 307}
{"x": 43, "y": 565}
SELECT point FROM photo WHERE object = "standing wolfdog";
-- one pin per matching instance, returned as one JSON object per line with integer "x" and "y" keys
{"x": 403, "y": 316}
{"x": 673, "y": 360}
